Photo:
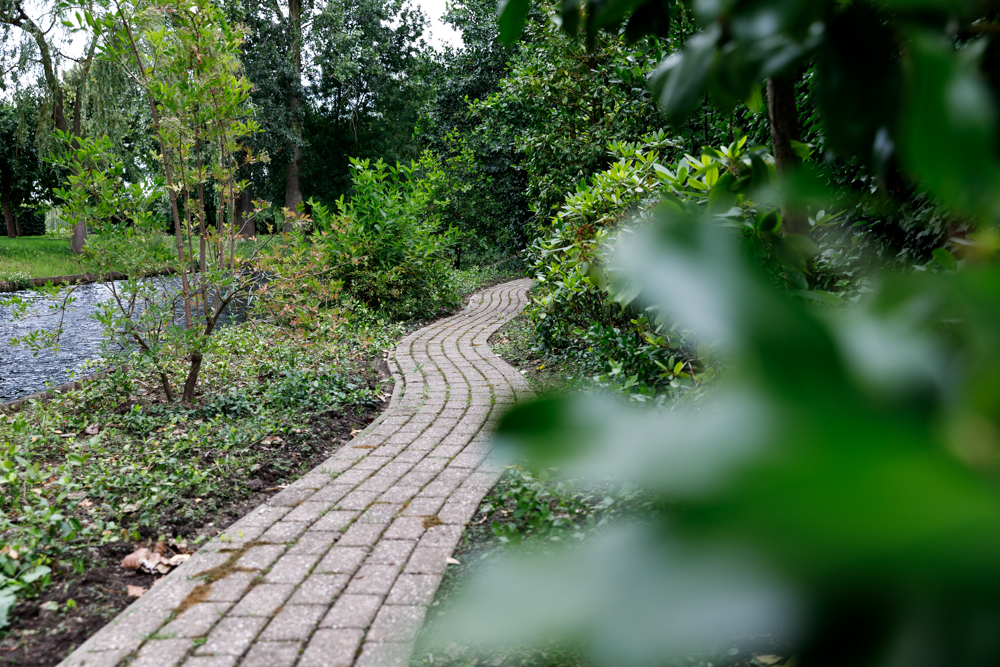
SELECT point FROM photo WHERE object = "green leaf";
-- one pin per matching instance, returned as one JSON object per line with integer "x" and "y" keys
{"x": 945, "y": 259}
{"x": 7, "y": 602}
{"x": 511, "y": 20}
{"x": 678, "y": 83}
{"x": 949, "y": 135}
{"x": 755, "y": 103}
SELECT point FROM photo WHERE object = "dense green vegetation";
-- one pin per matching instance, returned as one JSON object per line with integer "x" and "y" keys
{"x": 764, "y": 236}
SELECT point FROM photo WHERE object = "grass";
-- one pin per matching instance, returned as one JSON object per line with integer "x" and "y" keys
{"x": 46, "y": 257}
{"x": 37, "y": 257}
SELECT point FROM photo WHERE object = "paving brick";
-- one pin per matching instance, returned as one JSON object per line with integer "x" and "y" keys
{"x": 352, "y": 611}
{"x": 162, "y": 653}
{"x": 442, "y": 536}
{"x": 262, "y": 600}
{"x": 353, "y": 476}
{"x": 294, "y": 622}
{"x": 438, "y": 488}
{"x": 414, "y": 589}
{"x": 430, "y": 465}
{"x": 231, "y": 588}
{"x": 380, "y": 513}
{"x": 283, "y": 532}
{"x": 378, "y": 485}
{"x": 335, "y": 520}
{"x": 398, "y": 494}
{"x": 362, "y": 534}
{"x": 391, "y": 552}
{"x": 333, "y": 492}
{"x": 372, "y": 462}
{"x": 320, "y": 589}
{"x": 272, "y": 654}
{"x": 428, "y": 560}
{"x": 405, "y": 528}
{"x": 264, "y": 516}
{"x": 417, "y": 478}
{"x": 358, "y": 500}
{"x": 385, "y": 654}
{"x": 373, "y": 580}
{"x": 332, "y": 648}
{"x": 291, "y": 569}
{"x": 195, "y": 621}
{"x": 342, "y": 560}
{"x": 314, "y": 542}
{"x": 307, "y": 512}
{"x": 396, "y": 623}
{"x": 232, "y": 636}
{"x": 290, "y": 497}
{"x": 458, "y": 512}
{"x": 423, "y": 507}
{"x": 210, "y": 661}
{"x": 260, "y": 557}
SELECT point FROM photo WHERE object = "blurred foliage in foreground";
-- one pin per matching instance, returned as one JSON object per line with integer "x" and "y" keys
{"x": 836, "y": 484}
{"x": 839, "y": 485}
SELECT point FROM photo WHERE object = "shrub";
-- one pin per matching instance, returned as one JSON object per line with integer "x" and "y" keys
{"x": 386, "y": 244}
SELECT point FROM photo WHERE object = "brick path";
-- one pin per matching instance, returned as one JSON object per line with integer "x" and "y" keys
{"x": 338, "y": 568}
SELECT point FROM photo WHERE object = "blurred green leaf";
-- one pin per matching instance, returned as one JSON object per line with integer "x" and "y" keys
{"x": 949, "y": 136}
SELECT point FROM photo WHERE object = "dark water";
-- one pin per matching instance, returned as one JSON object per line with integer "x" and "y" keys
{"x": 22, "y": 373}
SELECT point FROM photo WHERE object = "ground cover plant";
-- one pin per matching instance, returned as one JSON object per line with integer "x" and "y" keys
{"x": 96, "y": 473}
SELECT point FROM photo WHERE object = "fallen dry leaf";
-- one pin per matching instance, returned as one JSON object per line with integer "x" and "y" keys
{"x": 160, "y": 548}
{"x": 271, "y": 440}
{"x": 453, "y": 561}
{"x": 134, "y": 560}
{"x": 135, "y": 591}
{"x": 178, "y": 559}
{"x": 86, "y": 502}
{"x": 93, "y": 429}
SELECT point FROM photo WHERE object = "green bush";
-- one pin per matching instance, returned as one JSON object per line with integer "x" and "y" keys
{"x": 386, "y": 244}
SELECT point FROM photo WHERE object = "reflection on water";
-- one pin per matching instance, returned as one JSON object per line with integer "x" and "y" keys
{"x": 21, "y": 373}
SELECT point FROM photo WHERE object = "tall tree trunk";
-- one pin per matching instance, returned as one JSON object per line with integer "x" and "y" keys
{"x": 247, "y": 225}
{"x": 8, "y": 214}
{"x": 293, "y": 188}
{"x": 784, "y": 119}
{"x": 191, "y": 383}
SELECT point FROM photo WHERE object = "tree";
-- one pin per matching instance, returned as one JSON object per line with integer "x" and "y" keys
{"x": 24, "y": 179}
{"x": 61, "y": 90}
{"x": 184, "y": 57}
{"x": 349, "y": 85}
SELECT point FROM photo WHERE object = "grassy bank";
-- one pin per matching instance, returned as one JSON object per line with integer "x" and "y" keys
{"x": 37, "y": 257}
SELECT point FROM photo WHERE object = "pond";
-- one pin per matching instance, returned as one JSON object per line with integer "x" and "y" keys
{"x": 23, "y": 373}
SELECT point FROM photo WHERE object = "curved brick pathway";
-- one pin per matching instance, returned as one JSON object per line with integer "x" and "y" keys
{"x": 338, "y": 568}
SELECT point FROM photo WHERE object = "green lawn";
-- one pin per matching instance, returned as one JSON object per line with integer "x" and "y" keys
{"x": 36, "y": 257}
{"x": 43, "y": 257}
